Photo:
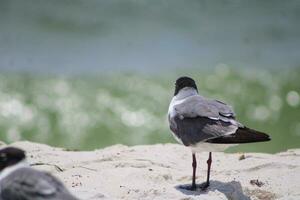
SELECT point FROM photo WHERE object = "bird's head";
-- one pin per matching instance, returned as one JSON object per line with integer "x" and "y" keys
{"x": 184, "y": 82}
{"x": 10, "y": 156}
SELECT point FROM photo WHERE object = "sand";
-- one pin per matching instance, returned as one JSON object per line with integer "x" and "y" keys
{"x": 156, "y": 171}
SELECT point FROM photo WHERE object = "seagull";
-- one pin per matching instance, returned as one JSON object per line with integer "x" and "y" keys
{"x": 19, "y": 181}
{"x": 205, "y": 125}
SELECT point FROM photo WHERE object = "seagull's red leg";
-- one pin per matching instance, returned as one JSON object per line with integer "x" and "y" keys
{"x": 209, "y": 161}
{"x": 194, "y": 164}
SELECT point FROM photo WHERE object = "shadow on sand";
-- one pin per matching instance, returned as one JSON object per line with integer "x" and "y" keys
{"x": 232, "y": 190}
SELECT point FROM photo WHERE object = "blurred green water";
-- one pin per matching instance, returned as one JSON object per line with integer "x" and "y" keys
{"x": 88, "y": 112}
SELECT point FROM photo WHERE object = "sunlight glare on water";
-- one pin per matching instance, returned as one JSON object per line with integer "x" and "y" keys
{"x": 98, "y": 111}
{"x": 293, "y": 98}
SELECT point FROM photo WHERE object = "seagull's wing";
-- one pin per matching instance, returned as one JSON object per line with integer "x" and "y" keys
{"x": 196, "y": 119}
{"x": 200, "y": 129}
{"x": 29, "y": 184}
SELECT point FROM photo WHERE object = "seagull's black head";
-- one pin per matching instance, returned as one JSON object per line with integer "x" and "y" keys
{"x": 10, "y": 156}
{"x": 183, "y": 82}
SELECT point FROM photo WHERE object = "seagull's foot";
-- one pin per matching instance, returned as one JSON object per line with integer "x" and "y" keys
{"x": 204, "y": 185}
{"x": 188, "y": 187}
{"x": 197, "y": 187}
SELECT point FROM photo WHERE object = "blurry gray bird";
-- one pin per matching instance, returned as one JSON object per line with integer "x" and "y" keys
{"x": 205, "y": 125}
{"x": 20, "y": 182}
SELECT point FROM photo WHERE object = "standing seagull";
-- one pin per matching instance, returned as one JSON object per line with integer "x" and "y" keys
{"x": 205, "y": 125}
{"x": 20, "y": 182}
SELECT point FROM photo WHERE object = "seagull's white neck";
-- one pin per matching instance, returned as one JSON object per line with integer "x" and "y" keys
{"x": 186, "y": 92}
{"x": 181, "y": 95}
{"x": 8, "y": 170}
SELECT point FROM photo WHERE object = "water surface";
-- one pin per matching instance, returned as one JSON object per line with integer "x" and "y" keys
{"x": 94, "y": 111}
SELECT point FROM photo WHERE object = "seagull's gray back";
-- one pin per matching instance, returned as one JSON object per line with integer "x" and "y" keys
{"x": 197, "y": 105}
{"x": 30, "y": 184}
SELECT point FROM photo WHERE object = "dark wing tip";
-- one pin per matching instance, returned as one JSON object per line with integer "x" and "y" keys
{"x": 242, "y": 135}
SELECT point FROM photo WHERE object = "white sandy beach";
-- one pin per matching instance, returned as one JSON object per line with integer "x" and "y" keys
{"x": 155, "y": 171}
